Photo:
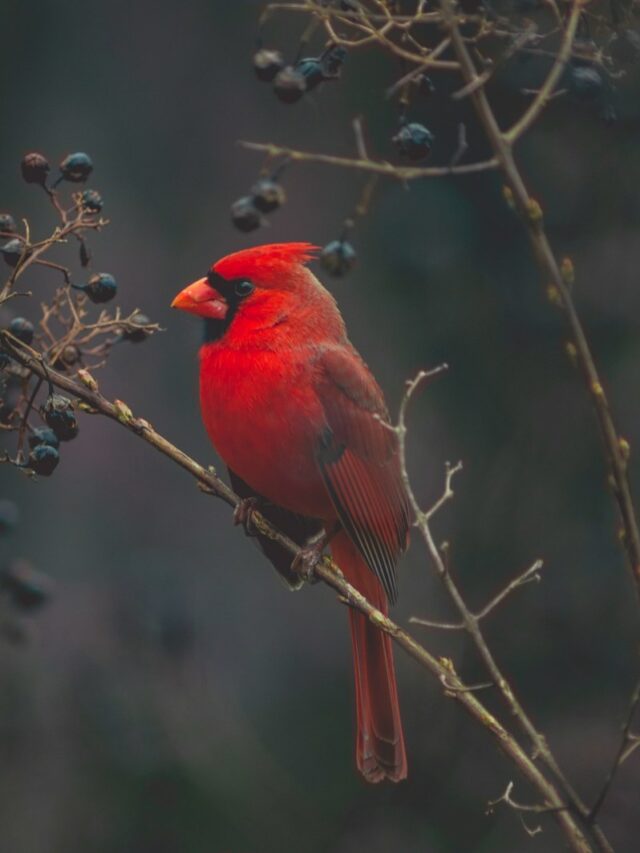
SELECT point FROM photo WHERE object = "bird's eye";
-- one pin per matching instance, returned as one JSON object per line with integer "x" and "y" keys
{"x": 243, "y": 288}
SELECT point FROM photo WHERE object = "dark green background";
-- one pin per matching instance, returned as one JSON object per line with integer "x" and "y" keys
{"x": 175, "y": 698}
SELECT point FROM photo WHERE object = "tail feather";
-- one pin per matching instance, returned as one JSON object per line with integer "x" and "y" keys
{"x": 380, "y": 750}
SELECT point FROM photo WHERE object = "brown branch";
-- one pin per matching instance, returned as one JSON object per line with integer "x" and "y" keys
{"x": 530, "y": 574}
{"x": 400, "y": 84}
{"x": 32, "y": 251}
{"x": 545, "y": 93}
{"x": 519, "y": 808}
{"x": 441, "y": 669}
{"x": 532, "y": 215}
{"x": 628, "y": 744}
{"x": 471, "y": 621}
{"x": 401, "y": 173}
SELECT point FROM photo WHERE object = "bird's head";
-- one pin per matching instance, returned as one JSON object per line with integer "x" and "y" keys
{"x": 259, "y": 285}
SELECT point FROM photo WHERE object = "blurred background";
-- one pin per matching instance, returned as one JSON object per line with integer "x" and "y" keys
{"x": 174, "y": 697}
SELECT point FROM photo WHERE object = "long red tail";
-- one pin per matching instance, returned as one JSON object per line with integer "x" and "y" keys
{"x": 380, "y": 752}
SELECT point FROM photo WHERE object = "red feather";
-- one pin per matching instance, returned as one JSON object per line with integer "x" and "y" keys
{"x": 264, "y": 261}
{"x": 296, "y": 415}
{"x": 380, "y": 750}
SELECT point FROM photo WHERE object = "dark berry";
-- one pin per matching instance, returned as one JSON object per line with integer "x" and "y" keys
{"x": 101, "y": 287}
{"x": 60, "y": 416}
{"x": 43, "y": 459}
{"x": 338, "y": 257}
{"x": 349, "y": 6}
{"x": 289, "y": 85}
{"x": 28, "y": 588}
{"x": 313, "y": 72}
{"x": 69, "y": 356}
{"x": 76, "y": 167}
{"x": 413, "y": 141}
{"x": 22, "y": 329}
{"x": 268, "y": 195}
{"x": 5, "y": 359}
{"x": 267, "y": 63}
{"x": 43, "y": 435}
{"x": 244, "y": 214}
{"x": 586, "y": 82}
{"x": 7, "y": 223}
{"x": 332, "y": 61}
{"x": 35, "y": 168}
{"x": 9, "y": 516}
{"x": 12, "y": 252}
{"x": 139, "y": 333}
{"x": 91, "y": 201}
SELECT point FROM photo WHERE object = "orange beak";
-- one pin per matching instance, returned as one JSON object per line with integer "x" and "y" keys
{"x": 201, "y": 299}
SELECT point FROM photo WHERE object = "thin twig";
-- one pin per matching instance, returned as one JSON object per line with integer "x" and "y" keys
{"x": 628, "y": 744}
{"x": 401, "y": 173}
{"x": 530, "y": 574}
{"x": 546, "y": 90}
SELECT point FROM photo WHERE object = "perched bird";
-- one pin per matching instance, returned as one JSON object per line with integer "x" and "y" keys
{"x": 297, "y": 417}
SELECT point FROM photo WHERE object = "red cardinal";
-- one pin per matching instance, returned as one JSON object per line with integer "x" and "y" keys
{"x": 294, "y": 412}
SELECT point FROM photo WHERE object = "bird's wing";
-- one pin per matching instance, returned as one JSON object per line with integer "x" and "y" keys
{"x": 358, "y": 458}
{"x": 296, "y": 527}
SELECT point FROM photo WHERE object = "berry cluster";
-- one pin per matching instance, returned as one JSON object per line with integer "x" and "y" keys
{"x": 266, "y": 196}
{"x": 65, "y": 338}
{"x": 292, "y": 82}
{"x": 601, "y": 50}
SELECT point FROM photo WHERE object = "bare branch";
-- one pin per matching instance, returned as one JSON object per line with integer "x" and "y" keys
{"x": 521, "y": 807}
{"x": 400, "y": 173}
{"x": 472, "y": 626}
{"x": 560, "y": 288}
{"x": 447, "y": 494}
{"x": 546, "y": 91}
{"x": 531, "y": 574}
{"x": 628, "y": 744}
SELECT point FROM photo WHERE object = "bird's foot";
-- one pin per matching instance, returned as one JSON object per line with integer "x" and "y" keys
{"x": 308, "y": 557}
{"x": 243, "y": 513}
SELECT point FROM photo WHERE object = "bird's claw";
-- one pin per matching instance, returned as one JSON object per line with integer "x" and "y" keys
{"x": 305, "y": 562}
{"x": 243, "y": 513}
{"x": 308, "y": 557}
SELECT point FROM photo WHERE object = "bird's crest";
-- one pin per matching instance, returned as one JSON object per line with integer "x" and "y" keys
{"x": 272, "y": 257}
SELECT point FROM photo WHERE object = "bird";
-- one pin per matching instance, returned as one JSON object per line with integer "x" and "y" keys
{"x": 302, "y": 426}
